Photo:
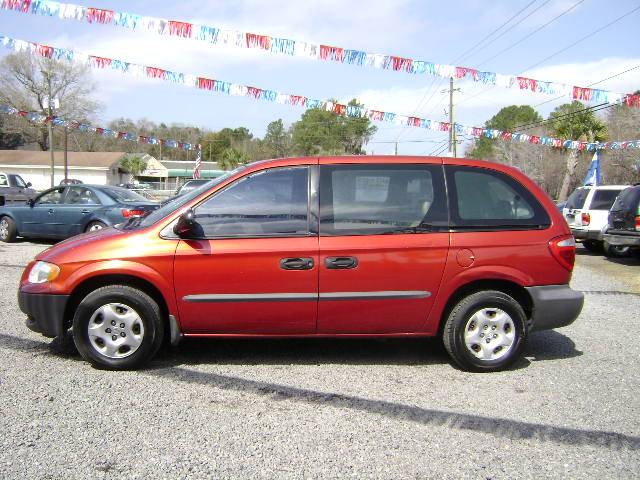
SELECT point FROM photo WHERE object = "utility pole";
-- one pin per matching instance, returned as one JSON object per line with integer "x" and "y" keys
{"x": 50, "y": 126}
{"x": 66, "y": 149}
{"x": 396, "y": 149}
{"x": 452, "y": 129}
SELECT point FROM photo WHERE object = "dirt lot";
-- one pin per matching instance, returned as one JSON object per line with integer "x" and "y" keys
{"x": 328, "y": 408}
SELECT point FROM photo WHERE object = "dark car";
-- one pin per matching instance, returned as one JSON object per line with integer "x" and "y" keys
{"x": 68, "y": 210}
{"x": 623, "y": 231}
{"x": 189, "y": 186}
{"x": 13, "y": 189}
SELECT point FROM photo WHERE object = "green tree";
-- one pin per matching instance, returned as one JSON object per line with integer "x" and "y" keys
{"x": 323, "y": 132}
{"x": 134, "y": 165}
{"x": 572, "y": 122}
{"x": 277, "y": 140}
{"x": 506, "y": 119}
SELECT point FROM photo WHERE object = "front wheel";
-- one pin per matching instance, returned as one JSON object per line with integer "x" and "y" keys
{"x": 117, "y": 327}
{"x": 485, "y": 331}
{"x": 8, "y": 231}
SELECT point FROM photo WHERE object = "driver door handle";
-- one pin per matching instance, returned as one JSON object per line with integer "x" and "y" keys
{"x": 51, "y": 211}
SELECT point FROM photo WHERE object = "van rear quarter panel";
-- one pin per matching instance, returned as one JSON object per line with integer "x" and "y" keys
{"x": 519, "y": 256}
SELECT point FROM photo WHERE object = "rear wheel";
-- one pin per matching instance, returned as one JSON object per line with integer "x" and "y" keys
{"x": 118, "y": 327}
{"x": 485, "y": 331}
{"x": 615, "y": 251}
{"x": 93, "y": 226}
{"x": 8, "y": 230}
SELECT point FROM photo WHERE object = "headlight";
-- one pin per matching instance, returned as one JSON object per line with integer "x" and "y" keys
{"x": 43, "y": 272}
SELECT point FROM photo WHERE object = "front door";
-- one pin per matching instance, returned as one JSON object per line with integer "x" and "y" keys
{"x": 40, "y": 220}
{"x": 255, "y": 268}
{"x": 383, "y": 246}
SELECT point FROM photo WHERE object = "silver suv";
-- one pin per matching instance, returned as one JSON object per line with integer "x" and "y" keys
{"x": 587, "y": 213}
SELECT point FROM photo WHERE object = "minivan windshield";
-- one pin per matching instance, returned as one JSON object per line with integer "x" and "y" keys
{"x": 175, "y": 203}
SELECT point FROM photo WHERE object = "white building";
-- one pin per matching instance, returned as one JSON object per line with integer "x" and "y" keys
{"x": 101, "y": 168}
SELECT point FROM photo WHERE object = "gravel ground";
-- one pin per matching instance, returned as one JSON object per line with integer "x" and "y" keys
{"x": 330, "y": 408}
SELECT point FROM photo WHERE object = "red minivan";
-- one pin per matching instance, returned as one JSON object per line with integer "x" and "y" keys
{"x": 366, "y": 246}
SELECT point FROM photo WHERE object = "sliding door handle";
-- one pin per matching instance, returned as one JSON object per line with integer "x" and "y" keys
{"x": 296, "y": 263}
{"x": 340, "y": 263}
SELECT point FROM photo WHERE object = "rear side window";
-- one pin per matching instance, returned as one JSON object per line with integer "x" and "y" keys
{"x": 577, "y": 198}
{"x": 271, "y": 202}
{"x": 380, "y": 199}
{"x": 3, "y": 180}
{"x": 603, "y": 199}
{"x": 482, "y": 198}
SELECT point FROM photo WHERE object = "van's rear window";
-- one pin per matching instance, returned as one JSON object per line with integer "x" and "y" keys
{"x": 577, "y": 198}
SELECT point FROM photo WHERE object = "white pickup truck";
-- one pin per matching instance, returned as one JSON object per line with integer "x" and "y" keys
{"x": 13, "y": 189}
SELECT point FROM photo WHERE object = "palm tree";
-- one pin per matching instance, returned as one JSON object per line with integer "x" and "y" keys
{"x": 231, "y": 158}
{"x": 573, "y": 122}
{"x": 134, "y": 164}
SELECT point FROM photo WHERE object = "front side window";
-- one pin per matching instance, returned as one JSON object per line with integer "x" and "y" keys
{"x": 381, "y": 199}
{"x": 52, "y": 197}
{"x": 3, "y": 180}
{"x": 482, "y": 198}
{"x": 20, "y": 183}
{"x": 271, "y": 202}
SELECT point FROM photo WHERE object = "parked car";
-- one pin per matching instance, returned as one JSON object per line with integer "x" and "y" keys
{"x": 64, "y": 211}
{"x": 13, "y": 189}
{"x": 70, "y": 181}
{"x": 471, "y": 251}
{"x": 190, "y": 185}
{"x": 623, "y": 232}
{"x": 587, "y": 210}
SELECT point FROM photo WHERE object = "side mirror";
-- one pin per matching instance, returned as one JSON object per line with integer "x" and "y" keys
{"x": 185, "y": 225}
{"x": 29, "y": 184}
{"x": 31, "y": 202}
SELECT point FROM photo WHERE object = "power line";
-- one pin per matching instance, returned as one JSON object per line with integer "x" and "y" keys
{"x": 582, "y": 110}
{"x": 507, "y": 30}
{"x": 562, "y": 50}
{"x": 532, "y": 33}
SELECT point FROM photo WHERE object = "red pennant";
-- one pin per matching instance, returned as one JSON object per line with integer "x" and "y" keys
{"x": 331, "y": 53}
{"x": 100, "y": 62}
{"x": 258, "y": 41}
{"x": 527, "y": 83}
{"x": 580, "y": 93}
{"x": 339, "y": 109}
{"x": 44, "y": 51}
{"x": 154, "y": 72}
{"x": 98, "y": 15}
{"x": 399, "y": 63}
{"x": 180, "y": 29}
{"x": 254, "y": 92}
{"x": 205, "y": 83}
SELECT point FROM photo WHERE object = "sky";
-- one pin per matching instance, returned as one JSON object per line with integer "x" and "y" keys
{"x": 435, "y": 31}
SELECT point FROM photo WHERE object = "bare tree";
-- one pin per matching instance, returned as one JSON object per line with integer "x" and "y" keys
{"x": 29, "y": 82}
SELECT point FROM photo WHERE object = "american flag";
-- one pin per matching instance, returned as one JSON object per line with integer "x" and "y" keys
{"x": 196, "y": 169}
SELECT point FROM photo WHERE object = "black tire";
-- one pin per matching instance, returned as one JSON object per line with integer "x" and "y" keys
{"x": 592, "y": 245}
{"x": 462, "y": 314}
{"x": 95, "y": 225}
{"x": 615, "y": 251}
{"x": 150, "y": 319}
{"x": 8, "y": 231}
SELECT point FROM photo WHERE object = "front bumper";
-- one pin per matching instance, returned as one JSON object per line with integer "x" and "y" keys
{"x": 631, "y": 240}
{"x": 45, "y": 312}
{"x": 554, "y": 306}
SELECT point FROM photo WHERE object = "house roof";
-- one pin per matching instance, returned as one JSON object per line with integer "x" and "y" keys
{"x": 190, "y": 165}
{"x": 75, "y": 159}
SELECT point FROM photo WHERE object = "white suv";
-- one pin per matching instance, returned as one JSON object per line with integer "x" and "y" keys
{"x": 587, "y": 213}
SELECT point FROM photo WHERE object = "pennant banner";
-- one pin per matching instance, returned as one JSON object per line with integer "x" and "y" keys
{"x": 39, "y": 118}
{"x": 236, "y": 89}
{"x": 286, "y": 46}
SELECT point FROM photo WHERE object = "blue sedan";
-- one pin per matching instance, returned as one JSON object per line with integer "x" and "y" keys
{"x": 68, "y": 210}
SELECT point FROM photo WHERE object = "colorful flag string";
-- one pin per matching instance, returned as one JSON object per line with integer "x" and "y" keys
{"x": 284, "y": 46}
{"x": 356, "y": 111}
{"x": 38, "y": 118}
